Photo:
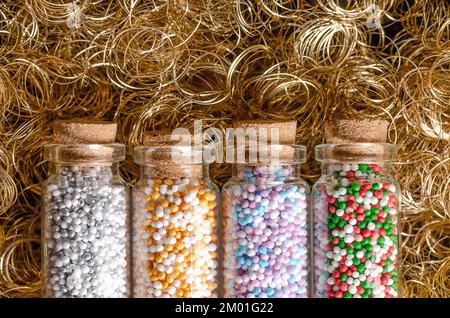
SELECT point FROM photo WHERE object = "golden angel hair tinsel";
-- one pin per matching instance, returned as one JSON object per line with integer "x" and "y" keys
{"x": 154, "y": 64}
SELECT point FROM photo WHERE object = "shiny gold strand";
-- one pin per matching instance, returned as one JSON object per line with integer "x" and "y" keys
{"x": 156, "y": 64}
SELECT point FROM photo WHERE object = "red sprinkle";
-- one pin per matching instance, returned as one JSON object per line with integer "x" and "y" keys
{"x": 366, "y": 233}
{"x": 378, "y": 194}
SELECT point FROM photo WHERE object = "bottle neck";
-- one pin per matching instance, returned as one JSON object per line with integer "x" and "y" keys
{"x": 356, "y": 168}
{"x": 281, "y": 171}
{"x": 91, "y": 170}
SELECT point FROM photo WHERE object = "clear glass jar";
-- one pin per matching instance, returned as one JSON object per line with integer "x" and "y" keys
{"x": 356, "y": 228}
{"x": 175, "y": 223}
{"x": 265, "y": 229}
{"x": 85, "y": 237}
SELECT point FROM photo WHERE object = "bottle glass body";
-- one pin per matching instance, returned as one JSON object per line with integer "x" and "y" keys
{"x": 265, "y": 232}
{"x": 175, "y": 224}
{"x": 356, "y": 229}
{"x": 85, "y": 236}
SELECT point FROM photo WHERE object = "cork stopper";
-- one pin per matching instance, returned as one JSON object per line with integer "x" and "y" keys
{"x": 163, "y": 157}
{"x": 281, "y": 151}
{"x": 347, "y": 131}
{"x": 84, "y": 131}
{"x": 356, "y": 140}
{"x": 164, "y": 137}
{"x": 84, "y": 141}
{"x": 286, "y": 128}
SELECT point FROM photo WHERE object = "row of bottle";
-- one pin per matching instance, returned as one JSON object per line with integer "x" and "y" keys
{"x": 264, "y": 236}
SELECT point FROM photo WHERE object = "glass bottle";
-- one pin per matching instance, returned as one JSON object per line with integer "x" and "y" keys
{"x": 175, "y": 224}
{"x": 265, "y": 228}
{"x": 356, "y": 228}
{"x": 85, "y": 237}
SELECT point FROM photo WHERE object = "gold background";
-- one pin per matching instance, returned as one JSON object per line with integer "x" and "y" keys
{"x": 153, "y": 64}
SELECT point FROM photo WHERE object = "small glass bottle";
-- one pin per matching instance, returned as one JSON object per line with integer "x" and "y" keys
{"x": 85, "y": 239}
{"x": 175, "y": 215}
{"x": 265, "y": 221}
{"x": 356, "y": 214}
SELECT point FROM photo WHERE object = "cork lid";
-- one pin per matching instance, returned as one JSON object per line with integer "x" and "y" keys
{"x": 84, "y": 131}
{"x": 169, "y": 154}
{"x": 84, "y": 141}
{"x": 356, "y": 140}
{"x": 165, "y": 137}
{"x": 279, "y": 150}
{"x": 346, "y": 131}
{"x": 286, "y": 129}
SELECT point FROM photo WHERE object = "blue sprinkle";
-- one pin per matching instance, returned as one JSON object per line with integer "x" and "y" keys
{"x": 242, "y": 250}
{"x": 263, "y": 263}
{"x": 292, "y": 279}
{"x": 294, "y": 262}
{"x": 263, "y": 250}
{"x": 260, "y": 210}
{"x": 270, "y": 292}
{"x": 283, "y": 195}
{"x": 301, "y": 290}
{"x": 256, "y": 291}
{"x": 241, "y": 260}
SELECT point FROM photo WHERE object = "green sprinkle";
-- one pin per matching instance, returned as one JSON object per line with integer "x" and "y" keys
{"x": 375, "y": 210}
{"x": 356, "y": 261}
{"x": 361, "y": 268}
{"x": 363, "y": 167}
{"x": 348, "y": 295}
{"x": 342, "y": 205}
{"x": 350, "y": 251}
{"x": 342, "y": 223}
{"x": 342, "y": 244}
{"x": 343, "y": 277}
{"x": 375, "y": 186}
{"x": 356, "y": 186}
